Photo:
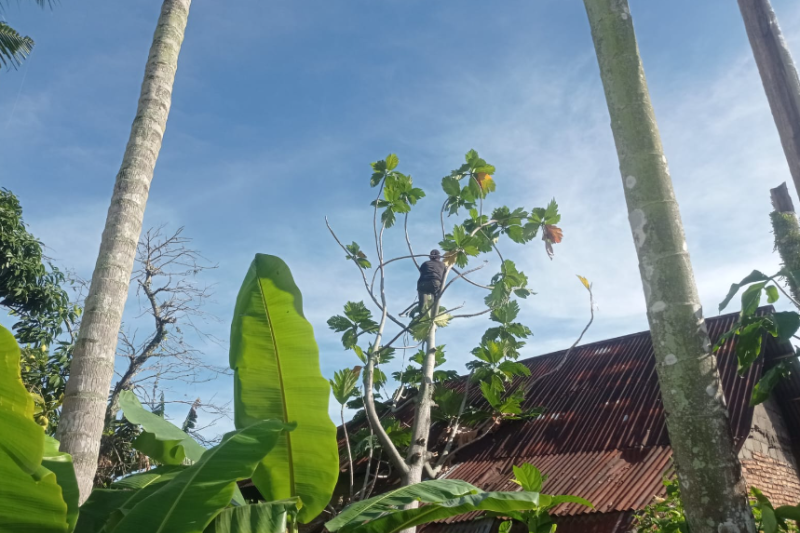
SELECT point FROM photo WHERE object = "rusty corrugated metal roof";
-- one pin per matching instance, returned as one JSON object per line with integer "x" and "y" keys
{"x": 603, "y": 436}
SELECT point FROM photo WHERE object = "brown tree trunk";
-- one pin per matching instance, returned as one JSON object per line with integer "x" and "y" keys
{"x": 83, "y": 413}
{"x": 712, "y": 488}
{"x": 778, "y": 75}
{"x": 787, "y": 237}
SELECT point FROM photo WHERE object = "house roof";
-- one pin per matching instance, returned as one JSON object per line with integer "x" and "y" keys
{"x": 603, "y": 435}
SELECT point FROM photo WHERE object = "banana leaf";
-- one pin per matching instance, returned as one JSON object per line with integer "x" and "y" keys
{"x": 30, "y": 497}
{"x": 269, "y": 517}
{"x": 107, "y": 507}
{"x": 498, "y": 502}
{"x": 277, "y": 376}
{"x": 60, "y": 464}
{"x": 434, "y": 491}
{"x": 188, "y": 503}
{"x": 160, "y": 440}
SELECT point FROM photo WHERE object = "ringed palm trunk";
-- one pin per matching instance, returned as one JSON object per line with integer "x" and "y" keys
{"x": 712, "y": 489}
{"x": 86, "y": 396}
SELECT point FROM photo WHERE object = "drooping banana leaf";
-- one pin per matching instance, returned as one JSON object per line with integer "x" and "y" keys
{"x": 106, "y": 507}
{"x": 434, "y": 491}
{"x": 277, "y": 376}
{"x": 498, "y": 502}
{"x": 60, "y": 464}
{"x": 269, "y": 517}
{"x": 30, "y": 498}
{"x": 188, "y": 503}
{"x": 160, "y": 440}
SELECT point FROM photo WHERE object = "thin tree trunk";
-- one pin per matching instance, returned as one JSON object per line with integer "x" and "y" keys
{"x": 713, "y": 492}
{"x": 92, "y": 369}
{"x": 349, "y": 453}
{"x": 787, "y": 236}
{"x": 778, "y": 75}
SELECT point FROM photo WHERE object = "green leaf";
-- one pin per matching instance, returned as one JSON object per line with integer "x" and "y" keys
{"x": 343, "y": 384}
{"x": 451, "y": 186}
{"x": 754, "y": 276}
{"x": 96, "y": 510}
{"x": 767, "y": 383}
{"x": 277, "y": 376}
{"x": 60, "y": 464}
{"x": 339, "y": 323}
{"x": 105, "y": 508}
{"x": 472, "y": 158}
{"x": 499, "y": 502}
{"x": 751, "y": 297}
{"x": 772, "y": 294}
{"x": 30, "y": 497}
{"x": 505, "y": 314}
{"x": 551, "y": 215}
{"x": 505, "y": 527}
{"x": 434, "y": 491}
{"x": 188, "y": 503}
{"x": 786, "y": 323}
{"x": 748, "y": 347}
{"x": 160, "y": 440}
{"x": 268, "y": 517}
{"x": 391, "y": 161}
{"x": 528, "y": 477}
{"x": 788, "y": 512}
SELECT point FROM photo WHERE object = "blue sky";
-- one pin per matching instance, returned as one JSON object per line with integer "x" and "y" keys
{"x": 279, "y": 106}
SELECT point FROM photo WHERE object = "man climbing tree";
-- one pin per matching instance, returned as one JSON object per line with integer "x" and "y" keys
{"x": 431, "y": 276}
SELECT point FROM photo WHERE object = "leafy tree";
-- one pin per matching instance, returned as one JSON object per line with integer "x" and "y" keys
{"x": 33, "y": 291}
{"x": 479, "y": 233}
{"x": 84, "y": 409}
{"x": 697, "y": 420}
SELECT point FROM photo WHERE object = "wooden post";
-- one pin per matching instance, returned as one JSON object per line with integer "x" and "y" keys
{"x": 779, "y": 76}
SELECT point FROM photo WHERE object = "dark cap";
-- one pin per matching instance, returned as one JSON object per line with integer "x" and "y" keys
{"x": 435, "y": 254}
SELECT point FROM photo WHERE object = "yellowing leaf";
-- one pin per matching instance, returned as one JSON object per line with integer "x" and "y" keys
{"x": 584, "y": 281}
{"x": 484, "y": 180}
{"x": 450, "y": 258}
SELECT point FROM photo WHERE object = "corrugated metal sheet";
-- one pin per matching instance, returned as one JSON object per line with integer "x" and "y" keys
{"x": 606, "y": 397}
{"x": 603, "y": 436}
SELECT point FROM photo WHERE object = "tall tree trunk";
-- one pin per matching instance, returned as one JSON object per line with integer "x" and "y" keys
{"x": 787, "y": 236}
{"x": 92, "y": 369}
{"x": 712, "y": 488}
{"x": 778, "y": 74}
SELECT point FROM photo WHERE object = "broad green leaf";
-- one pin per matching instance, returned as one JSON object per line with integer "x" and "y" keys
{"x": 566, "y": 498}
{"x": 277, "y": 376}
{"x": 772, "y": 294}
{"x": 505, "y": 527}
{"x": 391, "y": 161}
{"x": 788, "y": 512}
{"x": 160, "y": 439}
{"x": 268, "y": 517}
{"x": 528, "y": 477}
{"x": 60, "y": 464}
{"x": 189, "y": 502}
{"x": 30, "y": 497}
{"x": 498, "y": 502}
{"x": 748, "y": 347}
{"x": 754, "y": 276}
{"x": 96, "y": 510}
{"x": 141, "y": 480}
{"x": 751, "y": 297}
{"x": 451, "y": 186}
{"x": 786, "y": 324}
{"x": 434, "y": 491}
{"x": 767, "y": 383}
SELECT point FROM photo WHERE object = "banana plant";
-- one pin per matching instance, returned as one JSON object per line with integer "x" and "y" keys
{"x": 444, "y": 498}
{"x": 30, "y": 495}
{"x": 275, "y": 360}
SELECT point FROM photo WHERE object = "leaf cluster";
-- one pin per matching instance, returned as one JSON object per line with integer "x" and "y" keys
{"x": 750, "y": 329}
{"x": 399, "y": 193}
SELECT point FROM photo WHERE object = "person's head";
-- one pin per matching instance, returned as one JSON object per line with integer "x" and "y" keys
{"x": 435, "y": 255}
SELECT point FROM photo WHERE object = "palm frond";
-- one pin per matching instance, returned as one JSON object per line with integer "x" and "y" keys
{"x": 13, "y": 46}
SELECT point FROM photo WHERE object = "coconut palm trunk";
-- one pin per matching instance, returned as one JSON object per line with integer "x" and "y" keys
{"x": 712, "y": 489}
{"x": 83, "y": 413}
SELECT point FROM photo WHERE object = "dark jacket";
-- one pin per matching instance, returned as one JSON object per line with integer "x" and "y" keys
{"x": 431, "y": 275}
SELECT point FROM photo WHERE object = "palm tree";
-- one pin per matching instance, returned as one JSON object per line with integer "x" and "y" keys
{"x": 13, "y": 46}
{"x": 86, "y": 396}
{"x": 714, "y": 493}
